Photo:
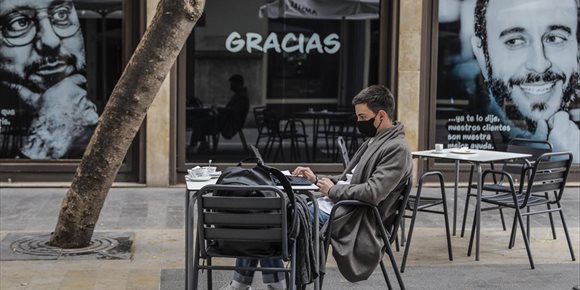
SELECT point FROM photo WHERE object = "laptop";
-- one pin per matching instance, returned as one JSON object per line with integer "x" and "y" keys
{"x": 294, "y": 180}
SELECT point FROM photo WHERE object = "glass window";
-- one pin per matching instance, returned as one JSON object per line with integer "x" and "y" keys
{"x": 282, "y": 78}
{"x": 59, "y": 61}
{"x": 498, "y": 80}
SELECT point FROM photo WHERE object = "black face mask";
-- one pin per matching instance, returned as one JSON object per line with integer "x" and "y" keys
{"x": 367, "y": 127}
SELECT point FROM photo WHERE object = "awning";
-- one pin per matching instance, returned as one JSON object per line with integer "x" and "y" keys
{"x": 321, "y": 9}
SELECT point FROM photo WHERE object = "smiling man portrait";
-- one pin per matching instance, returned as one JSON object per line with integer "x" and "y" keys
{"x": 46, "y": 113}
{"x": 529, "y": 55}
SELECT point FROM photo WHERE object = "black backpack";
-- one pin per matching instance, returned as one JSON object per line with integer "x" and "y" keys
{"x": 258, "y": 175}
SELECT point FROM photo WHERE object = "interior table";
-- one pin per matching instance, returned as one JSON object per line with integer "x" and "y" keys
{"x": 192, "y": 187}
{"x": 475, "y": 157}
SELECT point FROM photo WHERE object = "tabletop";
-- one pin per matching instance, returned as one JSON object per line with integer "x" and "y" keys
{"x": 476, "y": 156}
{"x": 197, "y": 185}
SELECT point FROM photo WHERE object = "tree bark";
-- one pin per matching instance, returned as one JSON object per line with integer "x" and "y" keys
{"x": 121, "y": 119}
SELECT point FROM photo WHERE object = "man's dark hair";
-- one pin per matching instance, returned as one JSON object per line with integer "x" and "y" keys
{"x": 480, "y": 29}
{"x": 377, "y": 98}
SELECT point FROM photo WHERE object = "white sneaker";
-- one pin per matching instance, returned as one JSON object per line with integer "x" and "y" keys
{"x": 235, "y": 285}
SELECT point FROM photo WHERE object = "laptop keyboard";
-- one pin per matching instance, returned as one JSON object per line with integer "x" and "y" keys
{"x": 294, "y": 180}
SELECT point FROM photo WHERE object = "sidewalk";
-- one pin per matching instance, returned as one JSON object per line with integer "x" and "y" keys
{"x": 155, "y": 216}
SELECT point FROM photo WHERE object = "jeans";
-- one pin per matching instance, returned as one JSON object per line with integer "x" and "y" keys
{"x": 246, "y": 277}
{"x": 322, "y": 216}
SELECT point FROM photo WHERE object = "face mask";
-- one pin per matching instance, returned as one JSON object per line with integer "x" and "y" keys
{"x": 367, "y": 127}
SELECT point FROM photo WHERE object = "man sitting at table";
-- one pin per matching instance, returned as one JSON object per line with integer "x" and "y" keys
{"x": 379, "y": 170}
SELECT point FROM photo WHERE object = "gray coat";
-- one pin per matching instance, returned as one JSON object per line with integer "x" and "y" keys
{"x": 382, "y": 166}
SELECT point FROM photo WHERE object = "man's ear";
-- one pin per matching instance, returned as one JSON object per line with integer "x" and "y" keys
{"x": 477, "y": 47}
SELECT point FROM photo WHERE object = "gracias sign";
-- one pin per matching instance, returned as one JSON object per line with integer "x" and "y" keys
{"x": 291, "y": 42}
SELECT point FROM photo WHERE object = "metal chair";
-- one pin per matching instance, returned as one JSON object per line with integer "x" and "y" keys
{"x": 515, "y": 169}
{"x": 388, "y": 237}
{"x": 549, "y": 173}
{"x": 279, "y": 129}
{"x": 259, "y": 118}
{"x": 417, "y": 203}
{"x": 343, "y": 151}
{"x": 257, "y": 222}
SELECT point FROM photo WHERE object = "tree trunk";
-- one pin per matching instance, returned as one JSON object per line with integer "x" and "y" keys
{"x": 121, "y": 119}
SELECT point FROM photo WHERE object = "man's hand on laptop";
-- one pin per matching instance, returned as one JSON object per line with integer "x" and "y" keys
{"x": 324, "y": 184}
{"x": 305, "y": 172}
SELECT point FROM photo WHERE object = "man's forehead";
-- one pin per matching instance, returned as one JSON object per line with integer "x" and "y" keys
{"x": 524, "y": 14}
{"x": 8, "y": 6}
{"x": 362, "y": 109}
{"x": 548, "y": 8}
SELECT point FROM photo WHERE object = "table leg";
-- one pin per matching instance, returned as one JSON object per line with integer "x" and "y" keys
{"x": 478, "y": 211}
{"x": 455, "y": 196}
{"x": 187, "y": 241}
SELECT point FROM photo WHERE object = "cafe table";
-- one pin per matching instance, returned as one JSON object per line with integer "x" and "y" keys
{"x": 477, "y": 158}
{"x": 192, "y": 187}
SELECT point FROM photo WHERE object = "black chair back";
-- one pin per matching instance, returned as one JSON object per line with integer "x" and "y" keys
{"x": 259, "y": 117}
{"x": 549, "y": 173}
{"x": 235, "y": 220}
{"x": 525, "y": 146}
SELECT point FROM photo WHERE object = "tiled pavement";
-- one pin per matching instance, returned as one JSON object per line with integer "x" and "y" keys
{"x": 155, "y": 215}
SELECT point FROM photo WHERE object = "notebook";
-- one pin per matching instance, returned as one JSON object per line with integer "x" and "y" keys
{"x": 294, "y": 180}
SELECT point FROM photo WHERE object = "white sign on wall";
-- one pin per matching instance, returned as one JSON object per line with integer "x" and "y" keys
{"x": 291, "y": 42}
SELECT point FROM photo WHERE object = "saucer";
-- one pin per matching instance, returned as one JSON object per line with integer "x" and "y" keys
{"x": 463, "y": 152}
{"x": 437, "y": 152}
{"x": 202, "y": 178}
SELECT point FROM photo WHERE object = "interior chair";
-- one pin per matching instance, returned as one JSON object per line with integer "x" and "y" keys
{"x": 229, "y": 224}
{"x": 280, "y": 130}
{"x": 418, "y": 203}
{"x": 259, "y": 118}
{"x": 387, "y": 236}
{"x": 548, "y": 174}
{"x": 515, "y": 169}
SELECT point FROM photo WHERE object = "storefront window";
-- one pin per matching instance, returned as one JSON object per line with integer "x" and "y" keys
{"x": 59, "y": 61}
{"x": 508, "y": 69}
{"x": 281, "y": 78}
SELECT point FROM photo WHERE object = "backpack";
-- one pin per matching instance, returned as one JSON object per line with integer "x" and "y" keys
{"x": 258, "y": 175}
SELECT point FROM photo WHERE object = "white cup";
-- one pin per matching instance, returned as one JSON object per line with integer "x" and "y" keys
{"x": 439, "y": 147}
{"x": 198, "y": 172}
{"x": 210, "y": 169}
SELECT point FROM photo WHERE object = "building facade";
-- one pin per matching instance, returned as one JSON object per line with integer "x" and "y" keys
{"x": 281, "y": 79}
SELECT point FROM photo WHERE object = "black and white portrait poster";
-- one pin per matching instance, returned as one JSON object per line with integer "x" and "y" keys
{"x": 508, "y": 69}
{"x": 45, "y": 112}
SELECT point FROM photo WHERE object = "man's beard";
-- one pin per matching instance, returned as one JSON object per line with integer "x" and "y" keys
{"x": 51, "y": 80}
{"x": 502, "y": 91}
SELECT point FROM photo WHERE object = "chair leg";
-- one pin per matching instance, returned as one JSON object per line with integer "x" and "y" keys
{"x": 467, "y": 196}
{"x": 243, "y": 139}
{"x": 513, "y": 234}
{"x": 551, "y": 218}
{"x": 410, "y": 235}
{"x": 528, "y": 229}
{"x": 502, "y": 219}
{"x": 403, "y": 237}
{"x": 567, "y": 235}
{"x": 209, "y": 279}
{"x": 445, "y": 214}
{"x": 388, "y": 249}
{"x": 384, "y": 269}
{"x": 397, "y": 243}
{"x": 469, "y": 248}
{"x": 525, "y": 236}
{"x": 293, "y": 268}
{"x": 195, "y": 274}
